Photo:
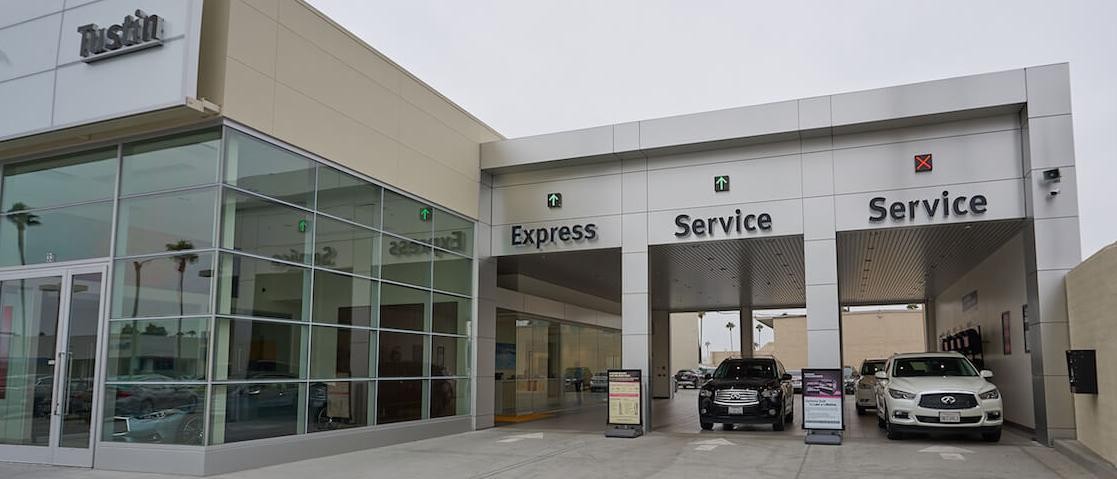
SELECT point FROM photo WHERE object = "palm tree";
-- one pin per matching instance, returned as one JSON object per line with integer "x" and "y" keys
{"x": 707, "y": 351}
{"x": 756, "y": 340}
{"x": 22, "y": 221}
{"x": 181, "y": 260}
{"x": 730, "y": 327}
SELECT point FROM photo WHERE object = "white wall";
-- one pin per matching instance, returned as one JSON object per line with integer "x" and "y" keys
{"x": 1000, "y": 284}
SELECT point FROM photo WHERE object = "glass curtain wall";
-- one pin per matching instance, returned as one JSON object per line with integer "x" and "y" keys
{"x": 255, "y": 292}
{"x": 547, "y": 365}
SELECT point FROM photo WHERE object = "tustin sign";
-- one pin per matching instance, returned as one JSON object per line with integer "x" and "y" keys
{"x": 134, "y": 33}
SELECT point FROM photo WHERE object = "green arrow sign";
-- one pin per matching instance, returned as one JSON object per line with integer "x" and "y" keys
{"x": 721, "y": 183}
{"x": 425, "y": 213}
{"x": 554, "y": 200}
{"x": 302, "y": 226}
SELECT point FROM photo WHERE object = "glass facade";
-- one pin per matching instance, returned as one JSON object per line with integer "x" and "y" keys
{"x": 544, "y": 364}
{"x": 254, "y": 292}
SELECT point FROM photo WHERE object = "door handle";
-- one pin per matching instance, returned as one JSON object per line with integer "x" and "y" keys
{"x": 61, "y": 373}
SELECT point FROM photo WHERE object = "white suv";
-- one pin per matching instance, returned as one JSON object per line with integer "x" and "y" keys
{"x": 866, "y": 386}
{"x": 922, "y": 392}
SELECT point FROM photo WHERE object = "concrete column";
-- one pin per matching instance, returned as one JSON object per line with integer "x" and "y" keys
{"x": 635, "y": 300}
{"x": 1052, "y": 246}
{"x": 484, "y": 312}
{"x": 747, "y": 332}
{"x": 824, "y": 343}
{"x": 930, "y": 326}
{"x": 661, "y": 355}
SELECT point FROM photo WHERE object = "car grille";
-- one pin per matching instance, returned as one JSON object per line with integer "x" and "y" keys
{"x": 963, "y": 420}
{"x": 943, "y": 401}
{"x": 736, "y": 397}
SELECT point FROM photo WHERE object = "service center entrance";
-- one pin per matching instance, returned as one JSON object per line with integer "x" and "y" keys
{"x": 49, "y": 321}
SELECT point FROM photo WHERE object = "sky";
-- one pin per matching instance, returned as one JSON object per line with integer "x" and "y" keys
{"x": 531, "y": 67}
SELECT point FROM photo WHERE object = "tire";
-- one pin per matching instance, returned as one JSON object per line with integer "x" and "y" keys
{"x": 861, "y": 410}
{"x": 779, "y": 425}
{"x": 727, "y": 426}
{"x": 994, "y": 436}
{"x": 191, "y": 431}
{"x": 706, "y": 426}
{"x": 893, "y": 432}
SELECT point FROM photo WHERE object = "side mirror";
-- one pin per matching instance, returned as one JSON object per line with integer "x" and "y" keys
{"x": 985, "y": 373}
{"x": 707, "y": 376}
{"x": 785, "y": 377}
{"x": 881, "y": 375}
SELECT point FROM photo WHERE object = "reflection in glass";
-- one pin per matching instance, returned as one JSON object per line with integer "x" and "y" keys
{"x": 401, "y": 355}
{"x": 259, "y": 350}
{"x": 449, "y": 397}
{"x": 154, "y": 413}
{"x": 453, "y": 273}
{"x": 407, "y": 217}
{"x": 77, "y": 178}
{"x": 403, "y": 308}
{"x": 337, "y": 405}
{"x": 349, "y": 197}
{"x": 158, "y": 350}
{"x": 242, "y": 412}
{"x": 174, "y": 162}
{"x": 398, "y": 401}
{"x": 449, "y": 356}
{"x": 170, "y": 222}
{"x": 339, "y": 353}
{"x": 50, "y": 236}
{"x": 266, "y": 228}
{"x": 450, "y": 314}
{"x": 406, "y": 261}
{"x": 81, "y": 360}
{"x": 345, "y": 247}
{"x": 170, "y": 285}
{"x": 266, "y": 169}
{"x": 453, "y": 233}
{"x": 255, "y": 287}
{"x": 344, "y": 299}
{"x": 28, "y": 333}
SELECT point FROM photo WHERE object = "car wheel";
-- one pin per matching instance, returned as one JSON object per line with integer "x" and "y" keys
{"x": 779, "y": 424}
{"x": 893, "y": 432}
{"x": 706, "y": 426}
{"x": 727, "y": 426}
{"x": 861, "y": 410}
{"x": 191, "y": 431}
{"x": 994, "y": 436}
{"x": 881, "y": 422}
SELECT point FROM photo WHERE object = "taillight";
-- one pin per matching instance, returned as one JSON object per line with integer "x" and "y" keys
{"x": 120, "y": 393}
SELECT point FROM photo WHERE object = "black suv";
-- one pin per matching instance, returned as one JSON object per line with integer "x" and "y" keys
{"x": 747, "y": 391}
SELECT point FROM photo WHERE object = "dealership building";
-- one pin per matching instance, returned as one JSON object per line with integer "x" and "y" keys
{"x": 235, "y": 235}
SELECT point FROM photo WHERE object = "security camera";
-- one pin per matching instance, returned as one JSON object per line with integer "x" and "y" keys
{"x": 1053, "y": 175}
{"x": 1053, "y": 193}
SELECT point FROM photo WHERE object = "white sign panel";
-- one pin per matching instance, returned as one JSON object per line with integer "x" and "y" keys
{"x": 95, "y": 61}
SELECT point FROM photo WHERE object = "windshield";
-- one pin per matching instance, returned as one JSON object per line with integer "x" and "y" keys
{"x": 871, "y": 367}
{"x": 741, "y": 369}
{"x": 932, "y": 367}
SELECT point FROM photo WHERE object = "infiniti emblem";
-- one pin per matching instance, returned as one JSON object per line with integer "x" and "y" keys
{"x": 737, "y": 396}
{"x": 948, "y": 399}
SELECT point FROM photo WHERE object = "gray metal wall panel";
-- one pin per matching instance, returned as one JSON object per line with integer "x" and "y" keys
{"x": 1005, "y": 198}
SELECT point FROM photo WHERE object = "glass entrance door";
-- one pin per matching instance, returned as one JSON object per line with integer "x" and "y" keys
{"x": 49, "y": 323}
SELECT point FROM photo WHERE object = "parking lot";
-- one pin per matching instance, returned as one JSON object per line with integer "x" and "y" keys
{"x": 572, "y": 445}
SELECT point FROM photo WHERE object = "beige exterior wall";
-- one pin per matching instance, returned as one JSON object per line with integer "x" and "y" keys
{"x": 281, "y": 67}
{"x": 1091, "y": 303}
{"x": 1000, "y": 282}
{"x": 789, "y": 343}
{"x": 684, "y": 341}
{"x": 879, "y": 334}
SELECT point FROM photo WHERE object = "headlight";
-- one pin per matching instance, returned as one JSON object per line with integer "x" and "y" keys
{"x": 705, "y": 393}
{"x": 990, "y": 394}
{"x": 770, "y": 393}
{"x": 898, "y": 394}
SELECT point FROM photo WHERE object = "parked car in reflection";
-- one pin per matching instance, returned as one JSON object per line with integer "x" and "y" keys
{"x": 173, "y": 425}
{"x": 599, "y": 382}
{"x": 796, "y": 380}
{"x": 141, "y": 399}
{"x": 686, "y": 378}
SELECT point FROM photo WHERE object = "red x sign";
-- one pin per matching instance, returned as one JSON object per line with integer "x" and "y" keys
{"x": 922, "y": 163}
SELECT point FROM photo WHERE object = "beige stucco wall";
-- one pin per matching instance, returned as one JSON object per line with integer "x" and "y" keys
{"x": 1000, "y": 282}
{"x": 879, "y": 334}
{"x": 1091, "y": 306}
{"x": 281, "y": 67}
{"x": 684, "y": 341}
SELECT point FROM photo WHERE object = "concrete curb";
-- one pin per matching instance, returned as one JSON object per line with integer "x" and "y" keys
{"x": 1086, "y": 458}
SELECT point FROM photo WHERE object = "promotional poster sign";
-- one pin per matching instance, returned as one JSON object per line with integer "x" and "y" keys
{"x": 822, "y": 399}
{"x": 624, "y": 397}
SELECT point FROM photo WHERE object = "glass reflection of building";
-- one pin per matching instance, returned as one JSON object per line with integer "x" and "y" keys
{"x": 254, "y": 292}
{"x": 543, "y": 364}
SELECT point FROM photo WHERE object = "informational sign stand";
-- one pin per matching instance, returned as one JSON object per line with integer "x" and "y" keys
{"x": 823, "y": 412}
{"x": 626, "y": 399}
